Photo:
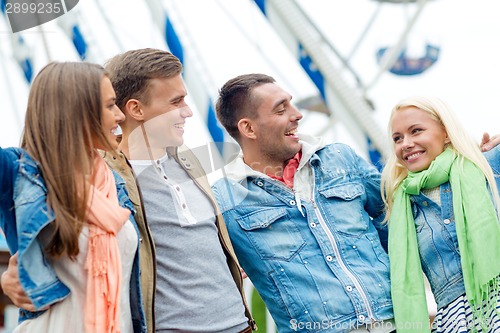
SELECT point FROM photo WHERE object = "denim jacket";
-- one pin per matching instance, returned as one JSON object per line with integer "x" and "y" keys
{"x": 24, "y": 213}
{"x": 317, "y": 260}
{"x": 437, "y": 239}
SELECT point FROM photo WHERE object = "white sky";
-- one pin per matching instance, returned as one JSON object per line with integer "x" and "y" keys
{"x": 233, "y": 38}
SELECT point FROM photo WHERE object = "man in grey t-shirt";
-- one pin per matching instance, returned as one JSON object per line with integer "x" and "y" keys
{"x": 195, "y": 283}
{"x": 198, "y": 282}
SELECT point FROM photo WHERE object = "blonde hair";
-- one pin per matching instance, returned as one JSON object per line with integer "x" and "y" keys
{"x": 63, "y": 115}
{"x": 394, "y": 173}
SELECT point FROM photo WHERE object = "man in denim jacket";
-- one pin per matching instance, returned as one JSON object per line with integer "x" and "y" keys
{"x": 303, "y": 216}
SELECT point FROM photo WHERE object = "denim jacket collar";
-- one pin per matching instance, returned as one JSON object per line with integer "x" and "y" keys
{"x": 239, "y": 170}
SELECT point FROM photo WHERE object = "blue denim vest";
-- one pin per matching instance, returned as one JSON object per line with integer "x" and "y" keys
{"x": 322, "y": 268}
{"x": 24, "y": 213}
{"x": 437, "y": 239}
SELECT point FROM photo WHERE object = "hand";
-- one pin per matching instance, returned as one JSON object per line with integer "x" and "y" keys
{"x": 488, "y": 143}
{"x": 12, "y": 287}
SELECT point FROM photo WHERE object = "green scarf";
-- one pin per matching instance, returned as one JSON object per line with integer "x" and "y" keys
{"x": 478, "y": 233}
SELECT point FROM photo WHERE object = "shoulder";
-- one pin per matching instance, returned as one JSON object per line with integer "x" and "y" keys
{"x": 222, "y": 190}
{"x": 339, "y": 148}
{"x": 186, "y": 154}
{"x": 117, "y": 162}
{"x": 493, "y": 158}
{"x": 218, "y": 184}
{"x": 7, "y": 158}
{"x": 339, "y": 152}
{"x": 11, "y": 152}
{"x": 190, "y": 161}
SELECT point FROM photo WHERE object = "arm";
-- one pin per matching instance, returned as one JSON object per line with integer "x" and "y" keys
{"x": 374, "y": 203}
{"x": 6, "y": 169}
{"x": 493, "y": 158}
{"x": 11, "y": 286}
{"x": 26, "y": 218}
{"x": 10, "y": 283}
{"x": 371, "y": 180}
{"x": 8, "y": 160}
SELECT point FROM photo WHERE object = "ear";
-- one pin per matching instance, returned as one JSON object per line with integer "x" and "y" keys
{"x": 133, "y": 109}
{"x": 246, "y": 129}
{"x": 447, "y": 140}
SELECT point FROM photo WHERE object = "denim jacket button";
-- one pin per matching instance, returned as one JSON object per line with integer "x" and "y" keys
{"x": 348, "y": 288}
{"x": 292, "y": 202}
{"x": 313, "y": 225}
{"x": 446, "y": 221}
{"x": 329, "y": 258}
{"x": 259, "y": 183}
{"x": 361, "y": 318}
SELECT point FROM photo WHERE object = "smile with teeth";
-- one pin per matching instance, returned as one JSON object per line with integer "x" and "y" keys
{"x": 292, "y": 132}
{"x": 412, "y": 156}
{"x": 181, "y": 126}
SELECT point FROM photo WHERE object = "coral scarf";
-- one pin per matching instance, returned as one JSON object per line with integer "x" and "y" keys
{"x": 478, "y": 233}
{"x": 105, "y": 218}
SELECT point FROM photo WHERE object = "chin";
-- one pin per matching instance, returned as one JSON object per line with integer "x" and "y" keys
{"x": 417, "y": 168}
{"x": 113, "y": 143}
{"x": 178, "y": 143}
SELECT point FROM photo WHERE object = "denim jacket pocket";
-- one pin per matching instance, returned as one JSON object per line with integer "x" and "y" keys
{"x": 272, "y": 233}
{"x": 346, "y": 205}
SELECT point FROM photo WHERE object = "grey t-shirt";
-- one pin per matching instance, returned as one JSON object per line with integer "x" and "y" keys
{"x": 195, "y": 291}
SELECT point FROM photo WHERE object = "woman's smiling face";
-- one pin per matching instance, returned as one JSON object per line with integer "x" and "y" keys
{"x": 418, "y": 138}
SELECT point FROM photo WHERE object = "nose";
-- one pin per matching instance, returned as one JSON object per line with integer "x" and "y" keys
{"x": 186, "y": 112}
{"x": 296, "y": 115}
{"x": 119, "y": 116}
{"x": 407, "y": 143}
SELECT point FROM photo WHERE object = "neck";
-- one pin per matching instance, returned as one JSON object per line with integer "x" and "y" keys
{"x": 265, "y": 165}
{"x": 135, "y": 147}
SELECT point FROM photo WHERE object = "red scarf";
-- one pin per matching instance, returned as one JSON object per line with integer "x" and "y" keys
{"x": 289, "y": 170}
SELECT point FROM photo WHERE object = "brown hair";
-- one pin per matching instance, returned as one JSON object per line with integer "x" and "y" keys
{"x": 236, "y": 101}
{"x": 131, "y": 72}
{"x": 63, "y": 115}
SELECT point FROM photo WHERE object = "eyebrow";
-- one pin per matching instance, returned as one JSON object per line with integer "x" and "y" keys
{"x": 281, "y": 101}
{"x": 409, "y": 128}
{"x": 177, "y": 98}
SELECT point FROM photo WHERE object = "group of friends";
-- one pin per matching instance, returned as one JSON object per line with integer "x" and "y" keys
{"x": 125, "y": 234}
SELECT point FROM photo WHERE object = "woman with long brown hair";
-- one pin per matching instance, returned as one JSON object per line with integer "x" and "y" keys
{"x": 65, "y": 213}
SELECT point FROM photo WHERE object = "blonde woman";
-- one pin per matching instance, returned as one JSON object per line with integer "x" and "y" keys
{"x": 441, "y": 195}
